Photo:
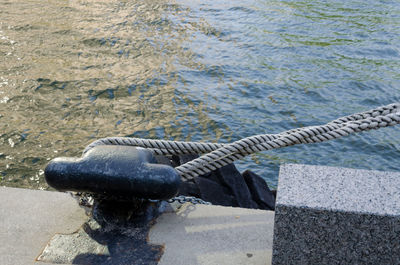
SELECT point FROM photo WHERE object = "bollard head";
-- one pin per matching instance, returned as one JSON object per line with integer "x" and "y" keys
{"x": 114, "y": 170}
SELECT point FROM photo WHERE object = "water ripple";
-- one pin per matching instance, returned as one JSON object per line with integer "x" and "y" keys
{"x": 75, "y": 71}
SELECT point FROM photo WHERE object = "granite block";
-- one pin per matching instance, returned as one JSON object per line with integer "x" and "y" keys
{"x": 327, "y": 215}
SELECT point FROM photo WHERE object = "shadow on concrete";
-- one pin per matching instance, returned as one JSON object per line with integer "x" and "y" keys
{"x": 124, "y": 231}
{"x": 116, "y": 233}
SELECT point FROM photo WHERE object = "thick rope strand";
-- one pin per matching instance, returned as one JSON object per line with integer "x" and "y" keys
{"x": 234, "y": 151}
{"x": 217, "y": 155}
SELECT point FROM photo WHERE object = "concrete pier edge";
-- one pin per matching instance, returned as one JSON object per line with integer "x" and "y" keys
{"x": 198, "y": 234}
{"x": 324, "y": 215}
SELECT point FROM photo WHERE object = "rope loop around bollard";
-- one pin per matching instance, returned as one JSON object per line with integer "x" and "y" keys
{"x": 215, "y": 155}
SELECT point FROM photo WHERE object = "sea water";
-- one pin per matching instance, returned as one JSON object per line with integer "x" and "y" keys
{"x": 75, "y": 71}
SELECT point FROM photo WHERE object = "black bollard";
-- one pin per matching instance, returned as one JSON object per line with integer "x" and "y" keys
{"x": 116, "y": 171}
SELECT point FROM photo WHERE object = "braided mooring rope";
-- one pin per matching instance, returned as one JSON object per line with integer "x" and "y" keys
{"x": 218, "y": 155}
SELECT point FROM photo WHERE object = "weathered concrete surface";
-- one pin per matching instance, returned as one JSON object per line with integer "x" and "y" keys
{"x": 29, "y": 218}
{"x": 327, "y": 215}
{"x": 202, "y": 234}
{"x": 116, "y": 234}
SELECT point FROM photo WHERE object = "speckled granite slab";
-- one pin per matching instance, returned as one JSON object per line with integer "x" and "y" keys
{"x": 327, "y": 215}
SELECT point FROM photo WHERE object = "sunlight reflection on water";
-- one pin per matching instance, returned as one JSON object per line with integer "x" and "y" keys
{"x": 72, "y": 72}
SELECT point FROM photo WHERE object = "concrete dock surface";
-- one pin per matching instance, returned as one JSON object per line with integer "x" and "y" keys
{"x": 30, "y": 218}
{"x": 324, "y": 215}
{"x": 203, "y": 234}
{"x": 191, "y": 234}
